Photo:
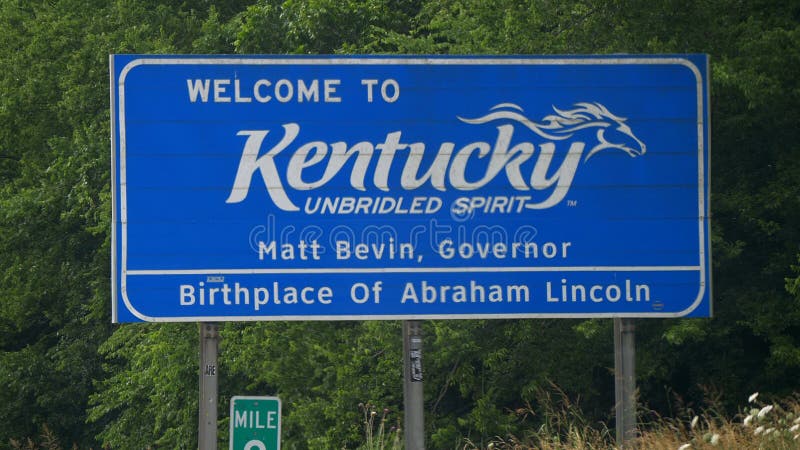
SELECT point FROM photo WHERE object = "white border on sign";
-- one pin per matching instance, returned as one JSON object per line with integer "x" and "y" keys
{"x": 119, "y": 109}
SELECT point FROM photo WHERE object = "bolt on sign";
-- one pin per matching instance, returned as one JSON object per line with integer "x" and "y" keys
{"x": 365, "y": 187}
{"x": 255, "y": 423}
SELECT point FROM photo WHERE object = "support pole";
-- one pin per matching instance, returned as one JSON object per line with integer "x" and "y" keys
{"x": 414, "y": 433}
{"x": 209, "y": 346}
{"x": 625, "y": 381}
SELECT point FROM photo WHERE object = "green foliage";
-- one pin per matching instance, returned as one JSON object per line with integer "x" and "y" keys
{"x": 378, "y": 434}
{"x": 55, "y": 201}
{"x": 321, "y": 371}
{"x": 482, "y": 371}
{"x": 53, "y": 222}
{"x": 67, "y": 370}
{"x": 149, "y": 398}
{"x": 319, "y": 26}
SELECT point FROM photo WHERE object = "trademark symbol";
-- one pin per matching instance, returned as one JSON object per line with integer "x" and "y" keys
{"x": 572, "y": 203}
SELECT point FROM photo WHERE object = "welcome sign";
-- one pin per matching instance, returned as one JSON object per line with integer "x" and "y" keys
{"x": 330, "y": 188}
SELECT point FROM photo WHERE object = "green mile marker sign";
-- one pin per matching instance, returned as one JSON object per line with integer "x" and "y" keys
{"x": 255, "y": 423}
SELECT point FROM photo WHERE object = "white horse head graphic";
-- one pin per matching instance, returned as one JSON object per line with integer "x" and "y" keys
{"x": 611, "y": 130}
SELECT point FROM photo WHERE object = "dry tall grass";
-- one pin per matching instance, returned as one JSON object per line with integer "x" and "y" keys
{"x": 762, "y": 425}
{"x": 759, "y": 425}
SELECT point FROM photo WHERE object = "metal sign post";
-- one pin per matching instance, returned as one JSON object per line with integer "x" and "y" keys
{"x": 625, "y": 381}
{"x": 209, "y": 345}
{"x": 413, "y": 399}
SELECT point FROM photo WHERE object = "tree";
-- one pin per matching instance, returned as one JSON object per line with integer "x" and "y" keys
{"x": 150, "y": 397}
{"x": 55, "y": 204}
{"x": 52, "y": 223}
{"x": 63, "y": 363}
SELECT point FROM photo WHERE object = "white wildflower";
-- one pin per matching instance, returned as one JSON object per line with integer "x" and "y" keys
{"x": 714, "y": 439}
{"x": 764, "y": 411}
{"x": 797, "y": 420}
{"x": 694, "y": 422}
{"x": 768, "y": 431}
{"x": 758, "y": 430}
{"x": 794, "y": 427}
{"x": 747, "y": 420}
{"x": 752, "y": 397}
{"x": 685, "y": 446}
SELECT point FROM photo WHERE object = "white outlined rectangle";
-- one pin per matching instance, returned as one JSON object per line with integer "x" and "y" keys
{"x": 121, "y": 272}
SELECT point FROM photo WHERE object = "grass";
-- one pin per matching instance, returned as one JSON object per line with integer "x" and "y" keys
{"x": 376, "y": 436}
{"x": 47, "y": 441}
{"x": 767, "y": 425}
{"x": 759, "y": 425}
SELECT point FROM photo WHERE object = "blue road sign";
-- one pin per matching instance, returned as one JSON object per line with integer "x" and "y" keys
{"x": 329, "y": 188}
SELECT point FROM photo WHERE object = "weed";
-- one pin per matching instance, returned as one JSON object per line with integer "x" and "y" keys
{"x": 376, "y": 436}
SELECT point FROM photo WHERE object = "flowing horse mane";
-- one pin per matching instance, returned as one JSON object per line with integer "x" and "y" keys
{"x": 565, "y": 123}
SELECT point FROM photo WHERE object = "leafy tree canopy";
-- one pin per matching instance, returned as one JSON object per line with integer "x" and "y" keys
{"x": 134, "y": 386}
